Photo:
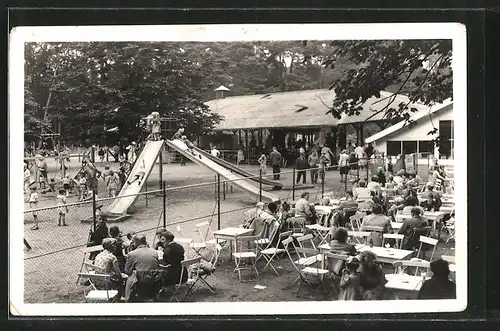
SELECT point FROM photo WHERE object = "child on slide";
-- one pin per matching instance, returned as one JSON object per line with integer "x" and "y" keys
{"x": 190, "y": 146}
{"x": 139, "y": 176}
{"x": 178, "y": 134}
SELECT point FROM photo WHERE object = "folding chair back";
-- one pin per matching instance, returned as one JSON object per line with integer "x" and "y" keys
{"x": 204, "y": 232}
{"x": 297, "y": 224}
{"x": 427, "y": 241}
{"x": 192, "y": 267}
{"x": 308, "y": 253}
{"x": 397, "y": 237}
{"x": 401, "y": 266}
{"x": 336, "y": 262}
{"x": 185, "y": 243}
{"x": 306, "y": 240}
{"x": 91, "y": 293}
{"x": 359, "y": 237}
{"x": 245, "y": 251}
{"x": 356, "y": 221}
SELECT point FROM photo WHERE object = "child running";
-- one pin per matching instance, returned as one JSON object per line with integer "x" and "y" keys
{"x": 263, "y": 161}
{"x": 33, "y": 204}
{"x": 63, "y": 209}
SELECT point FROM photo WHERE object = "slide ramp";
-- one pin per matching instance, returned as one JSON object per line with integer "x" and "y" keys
{"x": 149, "y": 154}
{"x": 238, "y": 180}
{"x": 239, "y": 170}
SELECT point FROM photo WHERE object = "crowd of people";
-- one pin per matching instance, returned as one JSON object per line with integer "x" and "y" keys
{"x": 138, "y": 271}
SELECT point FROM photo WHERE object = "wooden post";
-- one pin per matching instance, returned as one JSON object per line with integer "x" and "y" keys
{"x": 293, "y": 183}
{"x": 146, "y": 187}
{"x": 164, "y": 186}
{"x": 218, "y": 201}
{"x": 94, "y": 210}
{"x": 160, "y": 158}
{"x": 260, "y": 185}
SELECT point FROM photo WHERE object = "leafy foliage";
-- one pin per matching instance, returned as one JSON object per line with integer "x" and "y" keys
{"x": 420, "y": 69}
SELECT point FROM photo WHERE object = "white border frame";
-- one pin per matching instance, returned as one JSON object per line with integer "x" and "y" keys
{"x": 454, "y": 31}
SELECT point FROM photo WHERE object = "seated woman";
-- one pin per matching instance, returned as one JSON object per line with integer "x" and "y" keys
{"x": 252, "y": 214}
{"x": 377, "y": 220}
{"x": 339, "y": 245}
{"x": 399, "y": 204}
{"x": 410, "y": 229}
{"x": 173, "y": 255}
{"x": 432, "y": 199}
{"x": 303, "y": 209}
{"x": 115, "y": 233}
{"x": 372, "y": 277}
{"x": 375, "y": 186}
{"x": 108, "y": 263}
{"x": 345, "y": 210}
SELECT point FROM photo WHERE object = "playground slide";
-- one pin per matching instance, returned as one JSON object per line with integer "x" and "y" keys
{"x": 238, "y": 170}
{"x": 180, "y": 147}
{"x": 148, "y": 155}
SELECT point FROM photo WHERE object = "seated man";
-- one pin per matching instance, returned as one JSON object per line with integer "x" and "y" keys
{"x": 379, "y": 220}
{"x": 410, "y": 229}
{"x": 439, "y": 286}
{"x": 303, "y": 209}
{"x": 143, "y": 267}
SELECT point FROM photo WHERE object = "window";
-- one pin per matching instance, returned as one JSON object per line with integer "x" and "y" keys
{"x": 393, "y": 148}
{"x": 446, "y": 136}
{"x": 425, "y": 148}
{"x": 409, "y": 147}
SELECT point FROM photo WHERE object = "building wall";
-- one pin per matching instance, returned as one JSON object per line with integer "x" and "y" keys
{"x": 417, "y": 132}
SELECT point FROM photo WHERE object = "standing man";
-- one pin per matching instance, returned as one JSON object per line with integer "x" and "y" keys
{"x": 361, "y": 155}
{"x": 313, "y": 164}
{"x": 276, "y": 160}
{"x": 301, "y": 165}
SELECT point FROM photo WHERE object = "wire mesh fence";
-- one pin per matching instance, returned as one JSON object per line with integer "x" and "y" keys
{"x": 56, "y": 256}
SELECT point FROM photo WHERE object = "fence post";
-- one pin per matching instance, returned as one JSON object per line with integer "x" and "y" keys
{"x": 107, "y": 154}
{"x": 160, "y": 157}
{"x": 94, "y": 210}
{"x": 92, "y": 155}
{"x": 260, "y": 184}
{"x": 63, "y": 167}
{"x": 146, "y": 187}
{"x": 322, "y": 189}
{"x": 218, "y": 201}
{"x": 293, "y": 183}
{"x": 164, "y": 186}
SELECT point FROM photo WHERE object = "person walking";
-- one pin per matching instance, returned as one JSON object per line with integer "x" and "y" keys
{"x": 343, "y": 166}
{"x": 276, "y": 160}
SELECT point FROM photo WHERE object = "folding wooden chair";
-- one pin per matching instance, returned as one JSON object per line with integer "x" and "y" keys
{"x": 193, "y": 267}
{"x": 449, "y": 226}
{"x": 376, "y": 233}
{"x": 244, "y": 253}
{"x": 269, "y": 252}
{"x": 401, "y": 266}
{"x": 428, "y": 241}
{"x": 88, "y": 250}
{"x": 356, "y": 221}
{"x": 92, "y": 293}
{"x": 360, "y": 237}
{"x": 332, "y": 258}
{"x": 306, "y": 272}
{"x": 207, "y": 236}
{"x": 397, "y": 237}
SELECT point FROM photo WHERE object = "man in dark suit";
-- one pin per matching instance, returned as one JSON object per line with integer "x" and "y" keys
{"x": 142, "y": 258}
{"x": 145, "y": 279}
{"x": 173, "y": 255}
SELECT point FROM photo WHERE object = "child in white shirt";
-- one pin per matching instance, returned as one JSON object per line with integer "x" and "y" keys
{"x": 62, "y": 208}
{"x": 262, "y": 161}
{"x": 33, "y": 204}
